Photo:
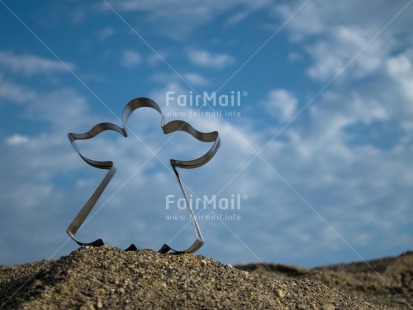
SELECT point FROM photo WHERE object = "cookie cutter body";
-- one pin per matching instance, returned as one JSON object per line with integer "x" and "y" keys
{"x": 170, "y": 127}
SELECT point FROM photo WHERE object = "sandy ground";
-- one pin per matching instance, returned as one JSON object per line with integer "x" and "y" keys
{"x": 109, "y": 278}
{"x": 383, "y": 282}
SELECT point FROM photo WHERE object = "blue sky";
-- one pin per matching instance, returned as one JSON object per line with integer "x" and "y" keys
{"x": 319, "y": 148}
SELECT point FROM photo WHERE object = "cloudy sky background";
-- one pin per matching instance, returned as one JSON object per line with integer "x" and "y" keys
{"x": 320, "y": 149}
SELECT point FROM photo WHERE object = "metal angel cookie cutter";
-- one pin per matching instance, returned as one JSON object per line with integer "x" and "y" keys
{"x": 167, "y": 128}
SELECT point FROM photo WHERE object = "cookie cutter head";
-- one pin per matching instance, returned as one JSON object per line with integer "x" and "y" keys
{"x": 170, "y": 127}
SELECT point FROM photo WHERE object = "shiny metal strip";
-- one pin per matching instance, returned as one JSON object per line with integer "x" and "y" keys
{"x": 167, "y": 128}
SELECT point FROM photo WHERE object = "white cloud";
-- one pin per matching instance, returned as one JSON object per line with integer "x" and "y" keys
{"x": 192, "y": 78}
{"x": 334, "y": 52}
{"x": 65, "y": 117}
{"x": 281, "y": 104}
{"x": 294, "y": 57}
{"x": 17, "y": 139}
{"x": 15, "y": 92}
{"x": 106, "y": 33}
{"x": 28, "y": 195}
{"x": 400, "y": 69}
{"x": 130, "y": 58}
{"x": 335, "y": 33}
{"x": 237, "y": 18}
{"x": 158, "y": 58}
{"x": 177, "y": 19}
{"x": 207, "y": 59}
{"x": 30, "y": 64}
{"x": 195, "y": 79}
{"x": 320, "y": 16}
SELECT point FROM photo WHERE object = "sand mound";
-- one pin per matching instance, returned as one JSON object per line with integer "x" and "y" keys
{"x": 107, "y": 278}
{"x": 383, "y": 282}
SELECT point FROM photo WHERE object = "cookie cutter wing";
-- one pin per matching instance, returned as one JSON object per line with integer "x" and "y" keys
{"x": 173, "y": 126}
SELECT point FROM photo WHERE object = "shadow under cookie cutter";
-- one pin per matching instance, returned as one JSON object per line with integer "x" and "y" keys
{"x": 176, "y": 125}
